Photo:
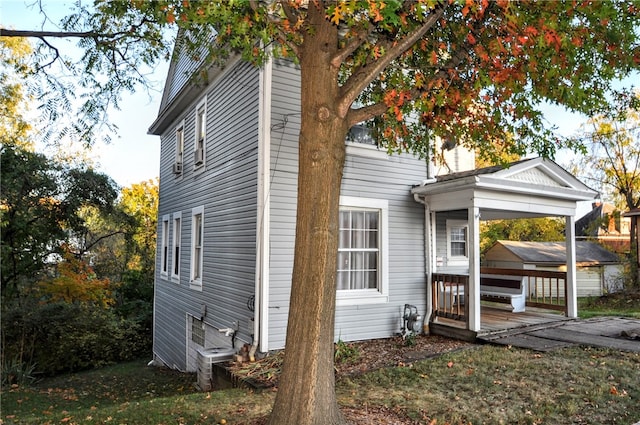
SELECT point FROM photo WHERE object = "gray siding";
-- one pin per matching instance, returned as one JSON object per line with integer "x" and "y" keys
{"x": 381, "y": 178}
{"x": 227, "y": 189}
{"x": 441, "y": 240}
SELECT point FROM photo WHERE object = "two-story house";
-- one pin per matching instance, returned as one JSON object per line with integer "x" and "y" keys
{"x": 228, "y": 184}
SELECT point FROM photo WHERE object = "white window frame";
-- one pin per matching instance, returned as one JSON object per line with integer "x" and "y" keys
{"x": 197, "y": 247}
{"x": 200, "y": 133}
{"x": 176, "y": 246}
{"x": 457, "y": 260}
{"x": 164, "y": 247}
{"x": 180, "y": 148}
{"x": 381, "y": 294}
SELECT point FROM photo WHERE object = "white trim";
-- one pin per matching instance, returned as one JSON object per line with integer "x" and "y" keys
{"x": 164, "y": 246}
{"x": 370, "y": 296}
{"x": 261, "y": 293}
{"x": 196, "y": 282}
{"x": 176, "y": 243}
{"x": 457, "y": 260}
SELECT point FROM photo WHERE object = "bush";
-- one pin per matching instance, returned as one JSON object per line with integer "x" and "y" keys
{"x": 60, "y": 337}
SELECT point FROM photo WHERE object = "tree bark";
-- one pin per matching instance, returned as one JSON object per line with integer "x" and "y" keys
{"x": 306, "y": 393}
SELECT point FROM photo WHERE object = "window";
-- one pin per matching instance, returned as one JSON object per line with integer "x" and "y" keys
{"x": 164, "y": 255}
{"x": 362, "y": 251}
{"x": 201, "y": 134}
{"x": 197, "y": 229}
{"x": 457, "y": 253}
{"x": 197, "y": 331}
{"x": 177, "y": 166}
{"x": 175, "y": 251}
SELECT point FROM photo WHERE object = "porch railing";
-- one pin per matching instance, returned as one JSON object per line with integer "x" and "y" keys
{"x": 545, "y": 289}
{"x": 447, "y": 291}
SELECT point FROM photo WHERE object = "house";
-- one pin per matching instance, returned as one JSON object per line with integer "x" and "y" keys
{"x": 228, "y": 184}
{"x": 634, "y": 216}
{"x": 605, "y": 225}
{"x": 598, "y": 270}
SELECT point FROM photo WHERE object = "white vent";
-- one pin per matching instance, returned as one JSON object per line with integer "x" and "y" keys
{"x": 199, "y": 156}
{"x": 177, "y": 168}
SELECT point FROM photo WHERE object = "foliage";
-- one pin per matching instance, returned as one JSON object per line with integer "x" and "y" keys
{"x": 62, "y": 337}
{"x": 16, "y": 372}
{"x": 612, "y": 164}
{"x": 13, "y": 70}
{"x": 40, "y": 202}
{"x": 345, "y": 352}
{"x": 524, "y": 229}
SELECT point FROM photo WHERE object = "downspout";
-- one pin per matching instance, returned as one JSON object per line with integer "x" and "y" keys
{"x": 260, "y": 319}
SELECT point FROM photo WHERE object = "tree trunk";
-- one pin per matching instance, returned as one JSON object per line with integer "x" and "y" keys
{"x": 306, "y": 393}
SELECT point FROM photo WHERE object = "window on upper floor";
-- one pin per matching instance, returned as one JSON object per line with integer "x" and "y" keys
{"x": 197, "y": 233}
{"x": 457, "y": 242}
{"x": 179, "y": 162}
{"x": 362, "y": 275}
{"x": 199, "y": 158}
{"x": 164, "y": 254}
{"x": 175, "y": 251}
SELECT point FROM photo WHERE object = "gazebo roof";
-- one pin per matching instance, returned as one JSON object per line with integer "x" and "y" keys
{"x": 536, "y": 187}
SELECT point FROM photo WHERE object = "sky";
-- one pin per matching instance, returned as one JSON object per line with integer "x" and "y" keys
{"x": 133, "y": 155}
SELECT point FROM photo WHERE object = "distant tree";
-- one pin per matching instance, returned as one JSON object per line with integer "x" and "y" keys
{"x": 524, "y": 229}
{"x": 40, "y": 202}
{"x": 612, "y": 162}
{"x": 472, "y": 71}
{"x": 14, "y": 54}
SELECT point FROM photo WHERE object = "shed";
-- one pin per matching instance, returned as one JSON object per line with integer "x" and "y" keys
{"x": 597, "y": 270}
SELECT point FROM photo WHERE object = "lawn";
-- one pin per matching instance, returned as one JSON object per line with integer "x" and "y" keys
{"x": 623, "y": 304}
{"x": 480, "y": 384}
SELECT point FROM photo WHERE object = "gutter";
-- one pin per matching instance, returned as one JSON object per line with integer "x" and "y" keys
{"x": 261, "y": 291}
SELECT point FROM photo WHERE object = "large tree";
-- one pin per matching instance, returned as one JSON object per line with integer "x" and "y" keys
{"x": 472, "y": 71}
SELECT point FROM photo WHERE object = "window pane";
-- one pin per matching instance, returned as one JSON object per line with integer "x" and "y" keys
{"x": 358, "y": 254}
{"x": 343, "y": 280}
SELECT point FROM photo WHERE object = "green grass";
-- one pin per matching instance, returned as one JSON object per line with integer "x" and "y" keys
{"x": 486, "y": 384}
{"x": 622, "y": 304}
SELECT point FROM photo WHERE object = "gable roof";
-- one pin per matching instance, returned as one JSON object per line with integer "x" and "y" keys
{"x": 535, "y": 187}
{"x": 554, "y": 253}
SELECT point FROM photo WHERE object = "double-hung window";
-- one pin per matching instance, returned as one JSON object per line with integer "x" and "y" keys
{"x": 175, "y": 249}
{"x": 362, "y": 275}
{"x": 457, "y": 242}
{"x": 197, "y": 233}
{"x": 178, "y": 164}
{"x": 164, "y": 254}
{"x": 201, "y": 135}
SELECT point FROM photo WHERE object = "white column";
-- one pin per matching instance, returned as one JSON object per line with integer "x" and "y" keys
{"x": 473, "y": 297}
{"x": 572, "y": 293}
{"x": 428, "y": 263}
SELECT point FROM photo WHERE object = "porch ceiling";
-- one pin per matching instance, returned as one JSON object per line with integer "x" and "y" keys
{"x": 535, "y": 187}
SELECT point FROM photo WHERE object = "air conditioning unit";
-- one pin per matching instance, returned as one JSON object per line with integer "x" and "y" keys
{"x": 177, "y": 168}
{"x": 199, "y": 156}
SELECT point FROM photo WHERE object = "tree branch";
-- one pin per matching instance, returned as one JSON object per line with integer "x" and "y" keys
{"x": 358, "y": 81}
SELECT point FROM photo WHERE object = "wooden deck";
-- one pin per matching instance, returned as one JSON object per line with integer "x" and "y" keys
{"x": 496, "y": 318}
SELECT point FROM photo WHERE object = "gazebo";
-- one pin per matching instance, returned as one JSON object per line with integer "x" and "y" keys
{"x": 456, "y": 203}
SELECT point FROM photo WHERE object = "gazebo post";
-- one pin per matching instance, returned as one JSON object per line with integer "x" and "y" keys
{"x": 570, "y": 240}
{"x": 474, "y": 269}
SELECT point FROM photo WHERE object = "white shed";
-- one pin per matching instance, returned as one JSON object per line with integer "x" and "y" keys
{"x": 597, "y": 270}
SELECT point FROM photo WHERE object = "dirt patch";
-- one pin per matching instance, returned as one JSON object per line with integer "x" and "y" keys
{"x": 353, "y": 358}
